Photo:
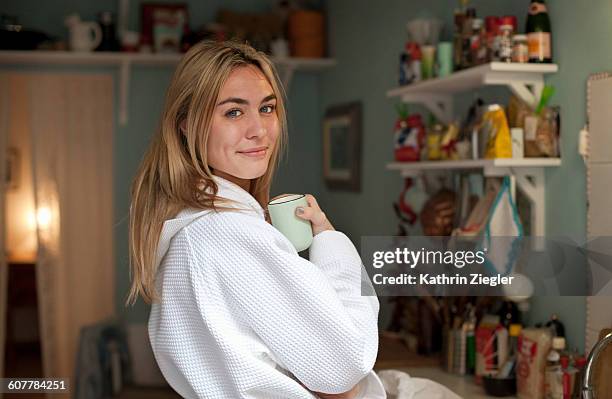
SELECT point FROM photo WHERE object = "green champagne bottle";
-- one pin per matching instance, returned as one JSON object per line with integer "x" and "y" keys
{"x": 539, "y": 37}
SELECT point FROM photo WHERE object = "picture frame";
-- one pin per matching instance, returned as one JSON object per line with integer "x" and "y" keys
{"x": 342, "y": 147}
{"x": 164, "y": 25}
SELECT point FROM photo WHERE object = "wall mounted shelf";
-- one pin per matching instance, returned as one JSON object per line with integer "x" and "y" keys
{"x": 490, "y": 167}
{"x": 286, "y": 66}
{"x": 527, "y": 173}
{"x": 525, "y": 80}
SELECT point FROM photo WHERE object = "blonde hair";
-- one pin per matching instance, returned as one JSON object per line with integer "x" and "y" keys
{"x": 176, "y": 160}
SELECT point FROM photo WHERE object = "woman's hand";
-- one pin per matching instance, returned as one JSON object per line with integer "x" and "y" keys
{"x": 315, "y": 215}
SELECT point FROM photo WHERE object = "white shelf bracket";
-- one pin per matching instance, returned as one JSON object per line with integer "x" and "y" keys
{"x": 530, "y": 96}
{"x": 531, "y": 183}
{"x": 440, "y": 106}
{"x": 526, "y": 87}
{"x": 124, "y": 91}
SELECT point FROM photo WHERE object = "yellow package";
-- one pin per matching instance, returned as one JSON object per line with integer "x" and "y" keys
{"x": 449, "y": 142}
{"x": 496, "y": 131}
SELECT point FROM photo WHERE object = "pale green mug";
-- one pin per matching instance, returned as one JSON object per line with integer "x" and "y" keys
{"x": 282, "y": 214}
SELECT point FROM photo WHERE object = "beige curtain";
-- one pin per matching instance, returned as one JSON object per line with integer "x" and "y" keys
{"x": 3, "y": 257}
{"x": 71, "y": 129}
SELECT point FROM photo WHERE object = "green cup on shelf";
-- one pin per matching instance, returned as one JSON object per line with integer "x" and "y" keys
{"x": 445, "y": 58}
{"x": 428, "y": 60}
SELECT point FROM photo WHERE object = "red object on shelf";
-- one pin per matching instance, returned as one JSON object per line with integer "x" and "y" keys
{"x": 414, "y": 50}
{"x": 509, "y": 20}
{"x": 406, "y": 154}
{"x": 410, "y": 138}
{"x": 492, "y": 24}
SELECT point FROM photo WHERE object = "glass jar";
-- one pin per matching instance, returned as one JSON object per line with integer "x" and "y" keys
{"x": 505, "y": 43}
{"x": 478, "y": 45}
{"x": 520, "y": 49}
{"x": 434, "y": 142}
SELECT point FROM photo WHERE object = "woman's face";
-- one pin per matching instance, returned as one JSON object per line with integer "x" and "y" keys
{"x": 244, "y": 126}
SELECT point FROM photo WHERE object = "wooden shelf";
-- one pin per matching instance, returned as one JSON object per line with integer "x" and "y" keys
{"x": 286, "y": 66}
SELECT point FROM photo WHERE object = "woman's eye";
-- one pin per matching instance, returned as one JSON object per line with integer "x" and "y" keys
{"x": 267, "y": 109}
{"x": 233, "y": 113}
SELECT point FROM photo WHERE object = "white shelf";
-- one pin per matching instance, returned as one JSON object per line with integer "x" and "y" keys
{"x": 524, "y": 80}
{"x": 490, "y": 167}
{"x": 286, "y": 66}
{"x": 527, "y": 173}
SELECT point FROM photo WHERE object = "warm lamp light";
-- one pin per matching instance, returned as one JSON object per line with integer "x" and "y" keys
{"x": 43, "y": 218}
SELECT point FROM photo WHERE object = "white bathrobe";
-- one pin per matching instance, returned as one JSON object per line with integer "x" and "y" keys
{"x": 242, "y": 315}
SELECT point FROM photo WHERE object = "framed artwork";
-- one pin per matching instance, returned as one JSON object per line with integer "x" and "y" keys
{"x": 342, "y": 147}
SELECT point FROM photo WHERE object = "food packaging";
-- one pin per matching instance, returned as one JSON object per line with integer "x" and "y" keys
{"x": 542, "y": 133}
{"x": 533, "y": 346}
{"x": 495, "y": 129}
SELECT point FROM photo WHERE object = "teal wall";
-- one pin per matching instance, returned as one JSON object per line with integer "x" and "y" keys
{"x": 581, "y": 34}
{"x": 365, "y": 38}
{"x": 146, "y": 95}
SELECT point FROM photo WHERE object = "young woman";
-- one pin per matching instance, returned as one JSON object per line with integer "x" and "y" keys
{"x": 236, "y": 312}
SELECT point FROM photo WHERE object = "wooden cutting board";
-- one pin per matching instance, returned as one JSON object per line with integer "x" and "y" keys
{"x": 603, "y": 370}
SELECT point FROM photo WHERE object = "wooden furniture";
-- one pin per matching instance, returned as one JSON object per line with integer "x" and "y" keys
{"x": 22, "y": 344}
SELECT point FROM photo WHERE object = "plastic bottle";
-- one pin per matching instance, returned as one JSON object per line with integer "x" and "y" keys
{"x": 579, "y": 364}
{"x": 460, "y": 15}
{"x": 557, "y": 328}
{"x": 553, "y": 376}
{"x": 470, "y": 342}
{"x": 478, "y": 48}
{"x": 567, "y": 377}
{"x": 509, "y": 366}
{"x": 466, "y": 35}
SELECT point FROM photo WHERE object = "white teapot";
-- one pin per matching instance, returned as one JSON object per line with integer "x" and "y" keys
{"x": 84, "y": 36}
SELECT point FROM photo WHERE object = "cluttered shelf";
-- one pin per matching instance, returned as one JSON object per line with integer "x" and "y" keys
{"x": 525, "y": 81}
{"x": 295, "y": 39}
{"x": 483, "y": 350}
{"x": 46, "y": 57}
{"x": 287, "y": 66}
